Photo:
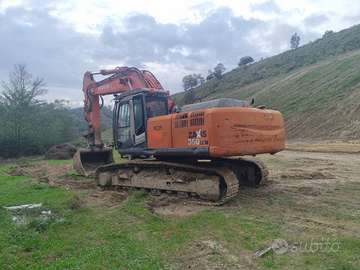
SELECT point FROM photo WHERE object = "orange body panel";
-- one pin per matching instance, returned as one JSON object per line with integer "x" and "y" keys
{"x": 230, "y": 131}
{"x": 159, "y": 132}
{"x": 245, "y": 131}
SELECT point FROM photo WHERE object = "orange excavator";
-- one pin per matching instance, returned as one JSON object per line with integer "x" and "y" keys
{"x": 196, "y": 150}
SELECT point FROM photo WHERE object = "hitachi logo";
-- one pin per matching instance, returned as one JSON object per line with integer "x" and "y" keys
{"x": 103, "y": 87}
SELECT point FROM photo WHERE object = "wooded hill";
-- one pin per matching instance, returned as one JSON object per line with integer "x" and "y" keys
{"x": 80, "y": 126}
{"x": 315, "y": 86}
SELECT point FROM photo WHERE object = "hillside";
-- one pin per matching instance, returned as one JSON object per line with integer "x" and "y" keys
{"x": 316, "y": 87}
{"x": 80, "y": 125}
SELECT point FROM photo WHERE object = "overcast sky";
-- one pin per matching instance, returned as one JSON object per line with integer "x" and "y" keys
{"x": 60, "y": 40}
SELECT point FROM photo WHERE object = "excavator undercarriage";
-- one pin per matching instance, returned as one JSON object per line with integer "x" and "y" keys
{"x": 206, "y": 182}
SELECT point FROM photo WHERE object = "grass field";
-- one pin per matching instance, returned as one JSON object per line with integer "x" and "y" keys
{"x": 133, "y": 235}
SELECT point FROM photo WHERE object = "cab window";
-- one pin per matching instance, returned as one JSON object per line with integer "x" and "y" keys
{"x": 156, "y": 106}
{"x": 124, "y": 115}
{"x": 138, "y": 115}
{"x": 123, "y": 123}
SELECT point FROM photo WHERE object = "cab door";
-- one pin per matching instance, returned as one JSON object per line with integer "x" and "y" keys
{"x": 121, "y": 124}
{"x": 138, "y": 121}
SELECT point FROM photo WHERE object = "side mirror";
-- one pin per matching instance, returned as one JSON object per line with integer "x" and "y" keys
{"x": 252, "y": 102}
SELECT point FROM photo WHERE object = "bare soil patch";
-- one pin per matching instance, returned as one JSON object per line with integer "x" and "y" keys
{"x": 166, "y": 205}
{"x": 311, "y": 189}
{"x": 335, "y": 147}
{"x": 212, "y": 254}
{"x": 54, "y": 174}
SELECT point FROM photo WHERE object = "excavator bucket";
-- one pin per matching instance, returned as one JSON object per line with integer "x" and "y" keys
{"x": 86, "y": 161}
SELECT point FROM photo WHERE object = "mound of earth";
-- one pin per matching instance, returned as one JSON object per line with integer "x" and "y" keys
{"x": 61, "y": 152}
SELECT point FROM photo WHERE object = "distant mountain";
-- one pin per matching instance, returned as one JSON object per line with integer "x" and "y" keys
{"x": 316, "y": 87}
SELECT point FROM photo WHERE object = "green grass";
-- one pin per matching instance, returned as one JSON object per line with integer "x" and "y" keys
{"x": 16, "y": 191}
{"x": 130, "y": 236}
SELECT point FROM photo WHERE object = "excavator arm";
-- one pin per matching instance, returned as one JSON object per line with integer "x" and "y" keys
{"x": 122, "y": 79}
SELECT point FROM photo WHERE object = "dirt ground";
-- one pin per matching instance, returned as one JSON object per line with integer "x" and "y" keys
{"x": 322, "y": 183}
{"x": 328, "y": 147}
{"x": 311, "y": 170}
{"x": 312, "y": 188}
{"x": 310, "y": 173}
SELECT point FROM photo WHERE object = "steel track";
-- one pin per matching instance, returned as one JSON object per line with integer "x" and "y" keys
{"x": 231, "y": 171}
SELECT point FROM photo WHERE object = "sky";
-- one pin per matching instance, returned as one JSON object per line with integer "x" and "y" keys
{"x": 59, "y": 40}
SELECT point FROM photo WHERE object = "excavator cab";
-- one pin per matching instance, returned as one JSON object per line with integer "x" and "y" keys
{"x": 131, "y": 112}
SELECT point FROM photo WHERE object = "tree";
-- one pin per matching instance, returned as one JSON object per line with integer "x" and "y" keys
{"x": 210, "y": 75}
{"x": 328, "y": 33}
{"x": 218, "y": 71}
{"x": 200, "y": 79}
{"x": 54, "y": 126}
{"x": 189, "y": 97}
{"x": 294, "y": 41}
{"x": 192, "y": 80}
{"x": 19, "y": 99}
{"x": 30, "y": 126}
{"x": 245, "y": 60}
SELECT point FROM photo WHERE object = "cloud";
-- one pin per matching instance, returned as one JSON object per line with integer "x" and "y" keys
{"x": 267, "y": 7}
{"x": 49, "y": 46}
{"x": 56, "y": 50}
{"x": 217, "y": 37}
{"x": 315, "y": 20}
{"x": 352, "y": 18}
